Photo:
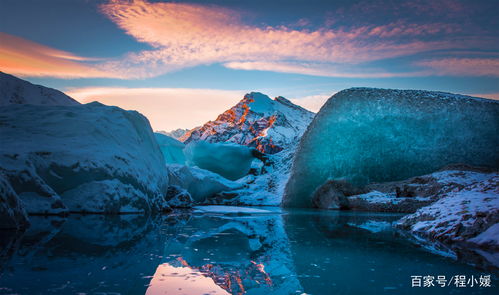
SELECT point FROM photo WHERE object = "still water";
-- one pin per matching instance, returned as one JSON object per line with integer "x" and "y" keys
{"x": 279, "y": 252}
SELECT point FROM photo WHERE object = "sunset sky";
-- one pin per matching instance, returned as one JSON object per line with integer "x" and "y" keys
{"x": 181, "y": 63}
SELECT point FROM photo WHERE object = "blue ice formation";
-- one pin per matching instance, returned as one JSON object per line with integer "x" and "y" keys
{"x": 365, "y": 135}
{"x": 172, "y": 149}
{"x": 229, "y": 160}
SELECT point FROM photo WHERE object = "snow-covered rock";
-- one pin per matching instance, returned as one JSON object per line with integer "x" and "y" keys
{"x": 172, "y": 149}
{"x": 266, "y": 187}
{"x": 17, "y": 91}
{"x": 461, "y": 217}
{"x": 375, "y": 201}
{"x": 81, "y": 158}
{"x": 409, "y": 195}
{"x": 367, "y": 135}
{"x": 269, "y": 125}
{"x": 488, "y": 238}
{"x": 201, "y": 184}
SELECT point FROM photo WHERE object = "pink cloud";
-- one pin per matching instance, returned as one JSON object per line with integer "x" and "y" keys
{"x": 463, "y": 66}
{"x": 186, "y": 35}
{"x": 26, "y": 58}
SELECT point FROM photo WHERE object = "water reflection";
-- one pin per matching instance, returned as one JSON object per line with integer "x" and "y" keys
{"x": 312, "y": 252}
{"x": 84, "y": 254}
{"x": 241, "y": 254}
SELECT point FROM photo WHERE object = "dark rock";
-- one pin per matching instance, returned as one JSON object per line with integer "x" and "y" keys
{"x": 333, "y": 195}
{"x": 178, "y": 197}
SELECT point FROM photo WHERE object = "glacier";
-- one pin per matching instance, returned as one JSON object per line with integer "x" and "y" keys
{"x": 82, "y": 158}
{"x": 365, "y": 135}
{"x": 172, "y": 149}
{"x": 229, "y": 160}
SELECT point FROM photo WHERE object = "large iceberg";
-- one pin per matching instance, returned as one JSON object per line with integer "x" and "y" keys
{"x": 229, "y": 160}
{"x": 83, "y": 158}
{"x": 364, "y": 135}
{"x": 172, "y": 149}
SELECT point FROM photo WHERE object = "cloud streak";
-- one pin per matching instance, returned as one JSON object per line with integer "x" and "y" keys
{"x": 187, "y": 35}
{"x": 319, "y": 69}
{"x": 463, "y": 66}
{"x": 26, "y": 58}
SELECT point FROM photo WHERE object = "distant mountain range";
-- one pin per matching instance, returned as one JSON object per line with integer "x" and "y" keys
{"x": 177, "y": 133}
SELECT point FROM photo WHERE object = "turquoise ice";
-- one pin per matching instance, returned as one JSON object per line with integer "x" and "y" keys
{"x": 172, "y": 149}
{"x": 368, "y": 135}
{"x": 229, "y": 160}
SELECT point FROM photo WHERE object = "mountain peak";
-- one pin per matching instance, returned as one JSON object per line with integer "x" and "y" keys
{"x": 269, "y": 125}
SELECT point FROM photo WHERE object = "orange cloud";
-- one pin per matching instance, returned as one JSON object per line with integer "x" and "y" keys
{"x": 25, "y": 58}
{"x": 166, "y": 108}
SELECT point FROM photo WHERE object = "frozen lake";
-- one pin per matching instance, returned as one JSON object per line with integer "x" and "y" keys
{"x": 224, "y": 250}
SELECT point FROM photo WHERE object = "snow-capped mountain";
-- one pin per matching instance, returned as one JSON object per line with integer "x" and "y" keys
{"x": 177, "y": 133}
{"x": 17, "y": 91}
{"x": 269, "y": 125}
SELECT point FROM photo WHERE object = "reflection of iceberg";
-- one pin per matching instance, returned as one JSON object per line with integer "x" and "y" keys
{"x": 85, "y": 254}
{"x": 242, "y": 254}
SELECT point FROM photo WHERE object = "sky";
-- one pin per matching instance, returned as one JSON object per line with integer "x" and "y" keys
{"x": 181, "y": 63}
